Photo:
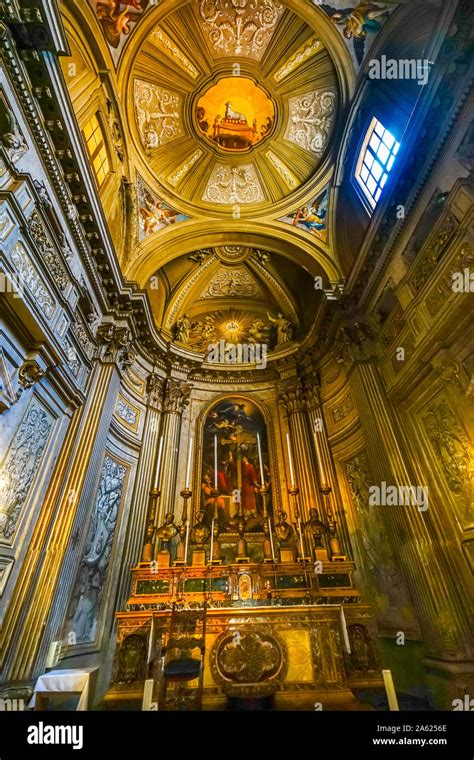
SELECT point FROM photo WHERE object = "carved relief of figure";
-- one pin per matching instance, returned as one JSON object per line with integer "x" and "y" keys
{"x": 258, "y": 332}
{"x": 182, "y": 328}
{"x": 84, "y": 607}
{"x": 132, "y": 659}
{"x": 362, "y": 656}
{"x": 10, "y": 134}
{"x": 283, "y": 326}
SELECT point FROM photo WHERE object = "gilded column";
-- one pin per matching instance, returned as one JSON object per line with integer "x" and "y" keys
{"x": 176, "y": 398}
{"x": 292, "y": 397}
{"x": 145, "y": 481}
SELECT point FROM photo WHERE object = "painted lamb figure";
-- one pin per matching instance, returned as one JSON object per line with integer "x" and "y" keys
{"x": 231, "y": 114}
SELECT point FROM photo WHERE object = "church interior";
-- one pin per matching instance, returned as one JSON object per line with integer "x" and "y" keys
{"x": 236, "y": 354}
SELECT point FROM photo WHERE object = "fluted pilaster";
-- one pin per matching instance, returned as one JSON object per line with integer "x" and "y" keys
{"x": 176, "y": 398}
{"x": 326, "y": 472}
{"x": 37, "y": 583}
{"x": 292, "y": 397}
{"x": 144, "y": 482}
{"x": 439, "y": 601}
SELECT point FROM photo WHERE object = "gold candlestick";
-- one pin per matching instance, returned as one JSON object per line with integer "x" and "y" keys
{"x": 294, "y": 491}
{"x": 182, "y": 550}
{"x": 215, "y": 558}
{"x": 267, "y": 543}
{"x": 335, "y": 546}
{"x": 148, "y": 546}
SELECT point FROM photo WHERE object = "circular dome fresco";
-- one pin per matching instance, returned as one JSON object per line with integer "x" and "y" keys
{"x": 236, "y": 107}
{"x": 235, "y": 114}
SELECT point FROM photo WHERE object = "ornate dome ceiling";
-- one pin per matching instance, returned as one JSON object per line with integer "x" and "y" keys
{"x": 235, "y": 294}
{"x": 232, "y": 104}
{"x": 231, "y": 113}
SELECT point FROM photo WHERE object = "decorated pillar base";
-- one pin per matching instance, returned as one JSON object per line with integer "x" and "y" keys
{"x": 199, "y": 557}
{"x": 321, "y": 554}
{"x": 163, "y": 558}
{"x": 267, "y": 551}
{"x": 286, "y": 555}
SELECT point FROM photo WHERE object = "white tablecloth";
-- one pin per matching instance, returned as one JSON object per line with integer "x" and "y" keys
{"x": 76, "y": 681}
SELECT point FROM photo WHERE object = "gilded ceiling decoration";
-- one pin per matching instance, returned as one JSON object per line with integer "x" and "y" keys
{"x": 235, "y": 114}
{"x": 282, "y": 169}
{"x": 177, "y": 175}
{"x": 311, "y": 217}
{"x": 233, "y": 326}
{"x": 233, "y": 185}
{"x": 232, "y": 282}
{"x": 165, "y": 43}
{"x": 358, "y": 22}
{"x": 239, "y": 27}
{"x": 307, "y": 50}
{"x": 234, "y": 103}
{"x": 153, "y": 213}
{"x": 157, "y": 111}
{"x": 310, "y": 120}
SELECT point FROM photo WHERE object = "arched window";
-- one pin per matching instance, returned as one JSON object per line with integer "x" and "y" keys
{"x": 96, "y": 148}
{"x": 376, "y": 160}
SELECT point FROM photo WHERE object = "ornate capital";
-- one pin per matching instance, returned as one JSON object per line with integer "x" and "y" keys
{"x": 311, "y": 386}
{"x": 116, "y": 344}
{"x": 155, "y": 386}
{"x": 292, "y": 397}
{"x": 177, "y": 395}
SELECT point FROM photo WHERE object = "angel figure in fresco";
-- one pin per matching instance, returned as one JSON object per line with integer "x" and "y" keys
{"x": 312, "y": 217}
{"x": 155, "y": 214}
{"x": 116, "y": 17}
{"x": 358, "y": 22}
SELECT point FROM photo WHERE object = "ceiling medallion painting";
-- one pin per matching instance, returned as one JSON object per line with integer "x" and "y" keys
{"x": 235, "y": 114}
{"x": 358, "y": 22}
{"x": 157, "y": 111}
{"x": 311, "y": 217}
{"x": 311, "y": 119}
{"x": 154, "y": 213}
{"x": 239, "y": 27}
{"x": 233, "y": 184}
